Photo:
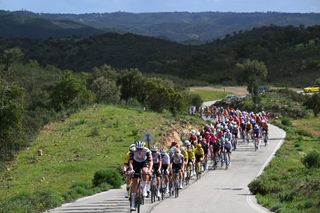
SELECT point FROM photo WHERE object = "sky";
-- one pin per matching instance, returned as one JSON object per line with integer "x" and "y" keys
{"x": 137, "y": 6}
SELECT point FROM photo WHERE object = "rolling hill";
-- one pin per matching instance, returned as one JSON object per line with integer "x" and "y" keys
{"x": 183, "y": 27}
{"x": 291, "y": 54}
{"x": 29, "y": 25}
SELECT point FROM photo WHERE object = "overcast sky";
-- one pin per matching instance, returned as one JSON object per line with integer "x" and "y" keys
{"x": 87, "y": 6}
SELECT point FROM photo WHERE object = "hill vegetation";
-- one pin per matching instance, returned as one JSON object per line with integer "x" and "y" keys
{"x": 73, "y": 150}
{"x": 30, "y": 25}
{"x": 184, "y": 27}
{"x": 290, "y": 54}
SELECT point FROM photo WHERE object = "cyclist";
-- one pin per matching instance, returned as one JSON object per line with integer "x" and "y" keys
{"x": 126, "y": 168}
{"x": 157, "y": 163}
{"x": 205, "y": 147}
{"x": 193, "y": 137}
{"x": 191, "y": 157}
{"x": 165, "y": 167}
{"x": 139, "y": 160}
{"x": 256, "y": 133}
{"x": 177, "y": 167}
{"x": 248, "y": 130}
{"x": 199, "y": 155}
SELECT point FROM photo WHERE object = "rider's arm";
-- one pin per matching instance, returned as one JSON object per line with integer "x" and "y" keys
{"x": 160, "y": 163}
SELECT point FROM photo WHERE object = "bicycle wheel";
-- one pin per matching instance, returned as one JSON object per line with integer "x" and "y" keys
{"x": 176, "y": 188}
{"x": 139, "y": 197}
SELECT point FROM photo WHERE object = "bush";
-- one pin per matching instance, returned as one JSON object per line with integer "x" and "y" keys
{"x": 109, "y": 176}
{"x": 312, "y": 160}
{"x": 303, "y": 132}
{"x": 78, "y": 190}
{"x": 286, "y": 121}
{"x": 259, "y": 186}
{"x": 94, "y": 132}
{"x": 36, "y": 202}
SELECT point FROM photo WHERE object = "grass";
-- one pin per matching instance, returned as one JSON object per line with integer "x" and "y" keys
{"x": 93, "y": 139}
{"x": 286, "y": 185}
{"x": 209, "y": 94}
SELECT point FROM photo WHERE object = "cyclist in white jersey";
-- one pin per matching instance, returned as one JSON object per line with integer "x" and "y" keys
{"x": 139, "y": 160}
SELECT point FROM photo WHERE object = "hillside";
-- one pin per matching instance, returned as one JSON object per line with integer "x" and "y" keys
{"x": 29, "y": 25}
{"x": 291, "y": 54}
{"x": 185, "y": 26}
{"x": 73, "y": 150}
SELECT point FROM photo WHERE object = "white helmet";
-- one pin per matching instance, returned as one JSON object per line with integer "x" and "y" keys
{"x": 154, "y": 149}
{"x": 187, "y": 143}
{"x": 139, "y": 144}
{"x": 193, "y": 131}
{"x": 132, "y": 147}
{"x": 163, "y": 150}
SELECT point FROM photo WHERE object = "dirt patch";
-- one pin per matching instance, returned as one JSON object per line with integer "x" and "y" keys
{"x": 177, "y": 133}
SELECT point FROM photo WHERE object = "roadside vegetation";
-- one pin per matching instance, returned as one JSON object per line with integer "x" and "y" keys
{"x": 79, "y": 156}
{"x": 290, "y": 183}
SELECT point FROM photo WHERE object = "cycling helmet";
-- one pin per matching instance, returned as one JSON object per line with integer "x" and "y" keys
{"x": 193, "y": 131}
{"x": 198, "y": 133}
{"x": 173, "y": 143}
{"x": 139, "y": 144}
{"x": 154, "y": 149}
{"x": 182, "y": 148}
{"x": 132, "y": 147}
{"x": 163, "y": 150}
{"x": 188, "y": 143}
{"x": 199, "y": 145}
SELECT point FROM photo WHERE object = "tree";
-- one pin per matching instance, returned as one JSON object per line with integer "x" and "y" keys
{"x": 11, "y": 56}
{"x": 313, "y": 103}
{"x": 253, "y": 72}
{"x": 11, "y": 114}
{"x": 70, "y": 92}
{"x": 106, "y": 90}
{"x": 130, "y": 83}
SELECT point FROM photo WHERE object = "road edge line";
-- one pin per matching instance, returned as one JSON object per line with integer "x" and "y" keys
{"x": 249, "y": 198}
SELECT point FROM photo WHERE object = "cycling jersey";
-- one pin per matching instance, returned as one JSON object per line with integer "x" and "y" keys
{"x": 126, "y": 158}
{"x": 165, "y": 159}
{"x": 185, "y": 154}
{"x": 141, "y": 155}
{"x": 199, "y": 152}
{"x": 156, "y": 157}
{"x": 249, "y": 126}
{"x": 177, "y": 159}
{"x": 190, "y": 152}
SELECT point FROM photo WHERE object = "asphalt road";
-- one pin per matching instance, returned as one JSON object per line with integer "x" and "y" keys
{"x": 223, "y": 190}
{"x": 219, "y": 190}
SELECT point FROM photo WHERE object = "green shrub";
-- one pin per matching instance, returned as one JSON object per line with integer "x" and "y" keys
{"x": 303, "y": 132}
{"x": 46, "y": 199}
{"x": 39, "y": 201}
{"x": 94, "y": 132}
{"x": 259, "y": 186}
{"x": 312, "y": 160}
{"x": 286, "y": 121}
{"x": 109, "y": 176}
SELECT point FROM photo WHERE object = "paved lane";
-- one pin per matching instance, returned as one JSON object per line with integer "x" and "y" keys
{"x": 226, "y": 191}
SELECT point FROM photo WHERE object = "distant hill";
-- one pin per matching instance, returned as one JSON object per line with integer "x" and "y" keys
{"x": 185, "y": 26}
{"x": 30, "y": 25}
{"x": 291, "y": 54}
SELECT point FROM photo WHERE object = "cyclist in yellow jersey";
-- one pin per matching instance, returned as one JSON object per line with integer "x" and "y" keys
{"x": 199, "y": 154}
{"x": 191, "y": 157}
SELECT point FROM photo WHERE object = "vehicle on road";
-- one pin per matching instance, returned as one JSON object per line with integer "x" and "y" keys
{"x": 311, "y": 89}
